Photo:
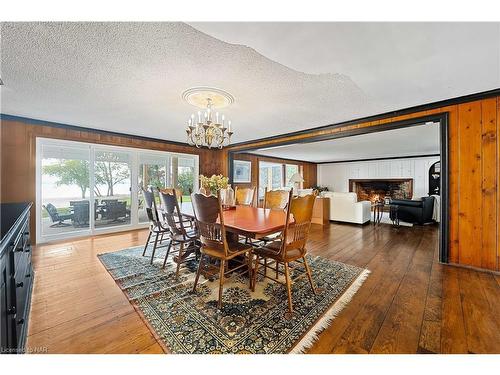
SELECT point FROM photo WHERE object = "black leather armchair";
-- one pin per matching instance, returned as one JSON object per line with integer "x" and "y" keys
{"x": 413, "y": 211}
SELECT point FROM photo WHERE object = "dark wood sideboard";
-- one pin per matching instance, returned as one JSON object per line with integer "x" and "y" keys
{"x": 16, "y": 276}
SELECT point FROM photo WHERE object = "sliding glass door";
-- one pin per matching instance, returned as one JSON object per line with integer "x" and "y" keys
{"x": 153, "y": 173}
{"x": 112, "y": 188}
{"x": 185, "y": 177}
{"x": 84, "y": 188}
{"x": 64, "y": 185}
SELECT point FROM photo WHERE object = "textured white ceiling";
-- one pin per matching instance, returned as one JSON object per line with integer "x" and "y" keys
{"x": 128, "y": 77}
{"x": 415, "y": 140}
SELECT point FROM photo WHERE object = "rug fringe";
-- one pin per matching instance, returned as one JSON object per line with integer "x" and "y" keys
{"x": 312, "y": 335}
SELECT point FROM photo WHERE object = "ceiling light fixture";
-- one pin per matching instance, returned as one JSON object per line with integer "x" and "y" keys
{"x": 208, "y": 129}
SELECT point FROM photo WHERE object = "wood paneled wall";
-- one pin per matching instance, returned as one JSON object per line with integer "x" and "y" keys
{"x": 18, "y": 152}
{"x": 309, "y": 170}
{"x": 474, "y": 171}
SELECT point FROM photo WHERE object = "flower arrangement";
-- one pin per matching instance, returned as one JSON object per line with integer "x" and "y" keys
{"x": 214, "y": 183}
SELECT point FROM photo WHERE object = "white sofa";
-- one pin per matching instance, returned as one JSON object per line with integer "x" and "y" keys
{"x": 345, "y": 207}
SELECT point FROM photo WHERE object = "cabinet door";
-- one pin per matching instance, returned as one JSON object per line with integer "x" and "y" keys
{"x": 7, "y": 309}
{"x": 3, "y": 308}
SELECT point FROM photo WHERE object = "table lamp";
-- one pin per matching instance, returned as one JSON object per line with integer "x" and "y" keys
{"x": 296, "y": 179}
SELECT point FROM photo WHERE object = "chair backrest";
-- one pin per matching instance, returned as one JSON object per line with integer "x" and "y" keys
{"x": 52, "y": 211}
{"x": 244, "y": 196}
{"x": 152, "y": 212}
{"x": 276, "y": 199}
{"x": 171, "y": 211}
{"x": 177, "y": 192}
{"x": 210, "y": 221}
{"x": 80, "y": 211}
{"x": 116, "y": 209}
{"x": 295, "y": 234}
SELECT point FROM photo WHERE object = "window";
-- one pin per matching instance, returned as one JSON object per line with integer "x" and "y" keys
{"x": 290, "y": 170}
{"x": 185, "y": 177}
{"x": 270, "y": 177}
{"x": 84, "y": 188}
{"x": 275, "y": 176}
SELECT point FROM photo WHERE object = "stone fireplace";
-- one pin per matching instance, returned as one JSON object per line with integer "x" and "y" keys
{"x": 377, "y": 189}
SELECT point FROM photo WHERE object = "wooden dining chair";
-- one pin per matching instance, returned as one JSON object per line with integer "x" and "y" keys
{"x": 290, "y": 246}
{"x": 156, "y": 227}
{"x": 244, "y": 196}
{"x": 184, "y": 242}
{"x": 210, "y": 223}
{"x": 276, "y": 199}
{"x": 178, "y": 193}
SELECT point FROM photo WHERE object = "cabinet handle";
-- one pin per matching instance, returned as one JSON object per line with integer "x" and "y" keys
{"x": 11, "y": 311}
{"x": 28, "y": 275}
{"x": 19, "y": 285}
{"x": 20, "y": 321}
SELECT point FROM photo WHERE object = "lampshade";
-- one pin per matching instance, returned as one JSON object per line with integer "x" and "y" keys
{"x": 296, "y": 177}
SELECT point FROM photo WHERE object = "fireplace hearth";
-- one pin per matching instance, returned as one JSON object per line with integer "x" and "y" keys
{"x": 377, "y": 189}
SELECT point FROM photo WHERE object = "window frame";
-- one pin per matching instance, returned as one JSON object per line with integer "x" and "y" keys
{"x": 283, "y": 175}
{"x": 135, "y": 163}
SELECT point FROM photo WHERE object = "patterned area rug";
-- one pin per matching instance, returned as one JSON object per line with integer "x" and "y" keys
{"x": 250, "y": 322}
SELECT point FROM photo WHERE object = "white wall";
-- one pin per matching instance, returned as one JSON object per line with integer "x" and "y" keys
{"x": 336, "y": 176}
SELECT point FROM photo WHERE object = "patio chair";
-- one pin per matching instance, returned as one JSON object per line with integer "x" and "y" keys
{"x": 116, "y": 211}
{"x": 57, "y": 218}
{"x": 80, "y": 213}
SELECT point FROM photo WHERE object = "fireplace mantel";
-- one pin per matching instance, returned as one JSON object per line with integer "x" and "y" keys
{"x": 378, "y": 188}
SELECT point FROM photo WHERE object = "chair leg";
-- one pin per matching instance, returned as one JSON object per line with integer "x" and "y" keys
{"x": 166, "y": 255}
{"x": 154, "y": 248}
{"x": 265, "y": 267}
{"x": 250, "y": 278}
{"x": 309, "y": 275}
{"x": 256, "y": 269}
{"x": 179, "y": 260}
{"x": 147, "y": 243}
{"x": 200, "y": 267}
{"x": 288, "y": 287}
{"x": 221, "y": 282}
{"x": 277, "y": 264}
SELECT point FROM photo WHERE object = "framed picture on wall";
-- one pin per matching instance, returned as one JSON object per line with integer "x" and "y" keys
{"x": 242, "y": 172}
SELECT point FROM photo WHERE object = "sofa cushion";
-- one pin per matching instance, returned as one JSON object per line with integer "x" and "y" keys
{"x": 407, "y": 202}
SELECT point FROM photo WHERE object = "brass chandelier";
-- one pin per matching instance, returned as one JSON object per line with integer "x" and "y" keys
{"x": 203, "y": 131}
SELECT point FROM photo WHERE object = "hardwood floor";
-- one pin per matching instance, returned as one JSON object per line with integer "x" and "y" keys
{"x": 409, "y": 304}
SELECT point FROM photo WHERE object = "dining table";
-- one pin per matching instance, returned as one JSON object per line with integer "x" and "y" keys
{"x": 247, "y": 221}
